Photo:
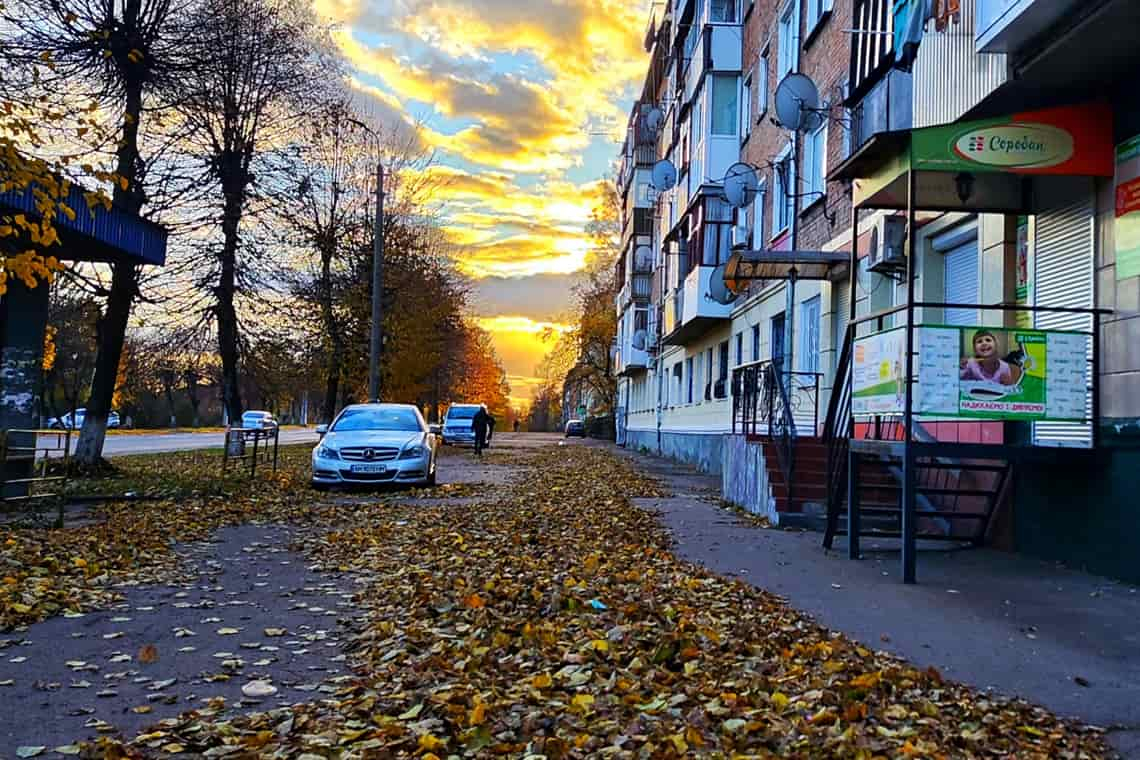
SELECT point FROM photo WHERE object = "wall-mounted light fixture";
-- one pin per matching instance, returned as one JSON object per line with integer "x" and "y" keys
{"x": 964, "y": 182}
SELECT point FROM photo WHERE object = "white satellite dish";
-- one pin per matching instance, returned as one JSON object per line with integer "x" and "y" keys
{"x": 643, "y": 259}
{"x": 718, "y": 291}
{"x": 640, "y": 339}
{"x": 797, "y": 103}
{"x": 664, "y": 175}
{"x": 741, "y": 184}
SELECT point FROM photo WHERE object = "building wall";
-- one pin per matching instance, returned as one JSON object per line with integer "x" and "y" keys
{"x": 954, "y": 77}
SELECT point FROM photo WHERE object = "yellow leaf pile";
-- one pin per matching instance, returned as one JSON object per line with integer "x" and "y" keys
{"x": 591, "y": 639}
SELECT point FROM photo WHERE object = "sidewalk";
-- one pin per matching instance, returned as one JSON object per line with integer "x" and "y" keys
{"x": 1022, "y": 627}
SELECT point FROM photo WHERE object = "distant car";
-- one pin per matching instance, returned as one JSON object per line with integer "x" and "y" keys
{"x": 75, "y": 422}
{"x": 576, "y": 428}
{"x": 258, "y": 421}
{"x": 375, "y": 444}
{"x": 457, "y": 424}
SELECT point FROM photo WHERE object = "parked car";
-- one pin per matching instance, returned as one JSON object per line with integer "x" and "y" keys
{"x": 457, "y": 430}
{"x": 75, "y": 422}
{"x": 371, "y": 444}
{"x": 258, "y": 421}
{"x": 576, "y": 428}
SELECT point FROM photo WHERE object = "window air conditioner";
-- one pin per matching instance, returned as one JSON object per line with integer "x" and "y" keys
{"x": 887, "y": 250}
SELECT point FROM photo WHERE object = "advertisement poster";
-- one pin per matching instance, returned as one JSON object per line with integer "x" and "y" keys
{"x": 877, "y": 373}
{"x": 1127, "y": 230}
{"x": 1011, "y": 374}
{"x": 1024, "y": 292}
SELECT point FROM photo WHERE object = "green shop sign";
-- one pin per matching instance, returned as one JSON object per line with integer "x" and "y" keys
{"x": 1071, "y": 140}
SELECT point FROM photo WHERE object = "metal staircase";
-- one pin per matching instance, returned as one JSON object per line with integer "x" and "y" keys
{"x": 956, "y": 497}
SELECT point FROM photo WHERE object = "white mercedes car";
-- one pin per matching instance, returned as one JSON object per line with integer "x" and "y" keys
{"x": 372, "y": 444}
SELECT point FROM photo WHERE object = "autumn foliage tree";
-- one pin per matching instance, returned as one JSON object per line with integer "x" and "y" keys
{"x": 586, "y": 350}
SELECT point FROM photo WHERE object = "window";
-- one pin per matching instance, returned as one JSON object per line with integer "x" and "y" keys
{"x": 755, "y": 343}
{"x": 692, "y": 36}
{"x": 709, "y": 374}
{"x": 872, "y": 44}
{"x": 723, "y": 12}
{"x": 689, "y": 372}
{"x": 809, "y": 335}
{"x": 746, "y": 110}
{"x": 739, "y": 348}
{"x": 720, "y": 390}
{"x": 760, "y": 78}
{"x": 717, "y": 232}
{"x": 758, "y": 217}
{"x": 816, "y": 10}
{"x": 815, "y": 162}
{"x": 788, "y": 39}
{"x": 677, "y": 383}
{"x": 725, "y": 104}
{"x": 783, "y": 200}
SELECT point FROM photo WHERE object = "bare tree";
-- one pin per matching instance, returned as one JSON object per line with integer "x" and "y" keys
{"x": 325, "y": 216}
{"x": 258, "y": 72}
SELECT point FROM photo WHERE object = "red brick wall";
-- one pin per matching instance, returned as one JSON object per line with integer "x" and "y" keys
{"x": 825, "y": 59}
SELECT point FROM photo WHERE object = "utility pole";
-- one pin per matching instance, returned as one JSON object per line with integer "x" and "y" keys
{"x": 377, "y": 289}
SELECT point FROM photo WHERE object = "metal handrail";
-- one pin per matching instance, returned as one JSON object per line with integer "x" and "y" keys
{"x": 837, "y": 430}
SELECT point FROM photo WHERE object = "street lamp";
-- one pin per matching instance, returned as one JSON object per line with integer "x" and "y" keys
{"x": 377, "y": 272}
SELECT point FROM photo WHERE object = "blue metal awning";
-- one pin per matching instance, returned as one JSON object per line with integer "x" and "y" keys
{"x": 98, "y": 233}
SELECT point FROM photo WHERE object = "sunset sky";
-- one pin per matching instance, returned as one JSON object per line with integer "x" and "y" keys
{"x": 524, "y": 102}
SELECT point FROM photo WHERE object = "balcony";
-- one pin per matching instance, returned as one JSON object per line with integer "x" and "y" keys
{"x": 689, "y": 313}
{"x": 642, "y": 286}
{"x": 887, "y": 106}
{"x": 629, "y": 360}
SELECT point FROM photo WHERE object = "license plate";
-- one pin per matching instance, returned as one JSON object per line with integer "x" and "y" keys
{"x": 369, "y": 469}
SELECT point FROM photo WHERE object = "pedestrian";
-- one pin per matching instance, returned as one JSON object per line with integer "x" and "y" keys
{"x": 490, "y": 428}
{"x": 480, "y": 424}
{"x": 516, "y": 426}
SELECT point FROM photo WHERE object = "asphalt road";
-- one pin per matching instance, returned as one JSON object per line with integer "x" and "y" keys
{"x": 120, "y": 445}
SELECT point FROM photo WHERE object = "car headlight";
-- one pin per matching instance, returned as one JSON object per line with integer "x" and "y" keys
{"x": 324, "y": 452}
{"x": 414, "y": 452}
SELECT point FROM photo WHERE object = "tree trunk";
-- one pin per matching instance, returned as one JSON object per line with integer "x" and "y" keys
{"x": 192, "y": 394}
{"x": 226, "y": 311}
{"x": 334, "y": 360}
{"x": 170, "y": 407}
{"x": 124, "y": 287}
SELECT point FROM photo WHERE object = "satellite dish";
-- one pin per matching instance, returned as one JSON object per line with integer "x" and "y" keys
{"x": 643, "y": 259}
{"x": 797, "y": 103}
{"x": 741, "y": 184}
{"x": 718, "y": 291}
{"x": 664, "y": 176}
{"x": 654, "y": 118}
{"x": 640, "y": 338}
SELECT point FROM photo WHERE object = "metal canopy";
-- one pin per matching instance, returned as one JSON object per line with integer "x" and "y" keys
{"x": 748, "y": 266}
{"x": 96, "y": 233}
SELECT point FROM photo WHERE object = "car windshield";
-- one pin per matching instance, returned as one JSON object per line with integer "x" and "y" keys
{"x": 393, "y": 420}
{"x": 462, "y": 413}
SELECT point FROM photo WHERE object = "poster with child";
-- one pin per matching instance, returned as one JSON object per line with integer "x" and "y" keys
{"x": 1002, "y": 373}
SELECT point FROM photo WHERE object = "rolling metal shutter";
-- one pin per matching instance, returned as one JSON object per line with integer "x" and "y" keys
{"x": 842, "y": 314}
{"x": 961, "y": 278}
{"x": 1064, "y": 249}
